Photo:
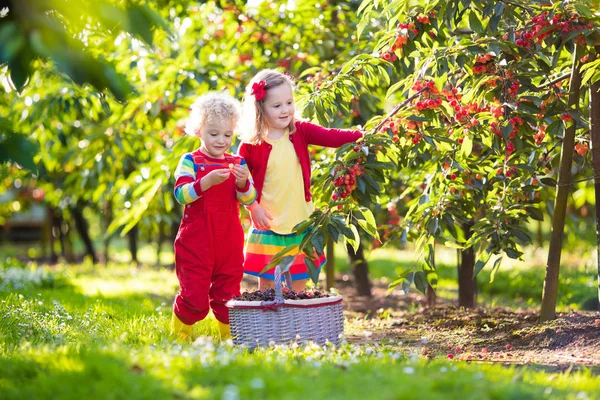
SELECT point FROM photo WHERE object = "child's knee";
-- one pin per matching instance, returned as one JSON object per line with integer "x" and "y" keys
{"x": 198, "y": 305}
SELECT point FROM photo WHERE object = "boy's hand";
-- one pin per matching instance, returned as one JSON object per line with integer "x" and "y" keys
{"x": 214, "y": 178}
{"x": 241, "y": 174}
{"x": 260, "y": 217}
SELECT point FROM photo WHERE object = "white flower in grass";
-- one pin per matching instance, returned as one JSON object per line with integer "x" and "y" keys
{"x": 443, "y": 369}
{"x": 257, "y": 383}
{"x": 231, "y": 392}
{"x": 409, "y": 370}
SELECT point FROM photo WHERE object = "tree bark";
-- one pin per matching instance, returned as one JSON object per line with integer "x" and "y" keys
{"x": 595, "y": 146}
{"x": 330, "y": 264}
{"x": 53, "y": 234}
{"x": 132, "y": 235}
{"x": 60, "y": 230}
{"x": 550, "y": 293}
{"x": 467, "y": 283}
{"x": 106, "y": 220}
{"x": 83, "y": 229}
{"x": 160, "y": 240}
{"x": 431, "y": 296}
{"x": 360, "y": 269}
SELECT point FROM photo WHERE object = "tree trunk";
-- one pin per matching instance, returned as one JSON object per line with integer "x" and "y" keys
{"x": 360, "y": 269}
{"x": 132, "y": 235}
{"x": 595, "y": 145}
{"x": 467, "y": 283}
{"x": 65, "y": 231}
{"x": 431, "y": 296}
{"x": 60, "y": 230}
{"x": 330, "y": 265}
{"x": 106, "y": 220}
{"x": 83, "y": 229}
{"x": 53, "y": 234}
{"x": 548, "y": 309}
{"x": 160, "y": 240}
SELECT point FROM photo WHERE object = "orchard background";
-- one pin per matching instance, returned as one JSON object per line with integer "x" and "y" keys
{"x": 462, "y": 230}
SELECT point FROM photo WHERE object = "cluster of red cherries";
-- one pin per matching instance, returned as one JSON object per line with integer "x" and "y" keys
{"x": 269, "y": 295}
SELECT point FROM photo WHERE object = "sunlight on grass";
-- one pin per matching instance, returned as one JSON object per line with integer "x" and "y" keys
{"x": 106, "y": 336}
{"x": 159, "y": 282}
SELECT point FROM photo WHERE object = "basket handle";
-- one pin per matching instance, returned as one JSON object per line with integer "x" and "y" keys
{"x": 279, "y": 284}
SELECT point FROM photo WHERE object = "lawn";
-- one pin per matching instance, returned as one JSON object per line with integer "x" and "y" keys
{"x": 78, "y": 331}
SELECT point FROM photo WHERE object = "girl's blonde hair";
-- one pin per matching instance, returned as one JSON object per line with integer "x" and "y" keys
{"x": 213, "y": 107}
{"x": 254, "y": 127}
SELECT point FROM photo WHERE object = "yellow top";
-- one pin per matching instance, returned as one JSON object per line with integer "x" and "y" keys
{"x": 283, "y": 189}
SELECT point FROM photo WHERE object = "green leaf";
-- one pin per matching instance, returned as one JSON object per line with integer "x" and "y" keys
{"x": 313, "y": 270}
{"x": 302, "y": 226}
{"x": 371, "y": 183}
{"x": 506, "y": 131}
{"x": 355, "y": 240}
{"x": 475, "y": 23}
{"x": 333, "y": 231}
{"x": 467, "y": 146}
{"x": 583, "y": 10}
{"x": 394, "y": 88}
{"x": 535, "y": 213}
{"x": 495, "y": 268}
{"x": 513, "y": 253}
{"x": 285, "y": 263}
{"x": 548, "y": 181}
{"x": 399, "y": 279}
{"x": 368, "y": 224}
{"x": 318, "y": 240}
{"x": 521, "y": 235}
{"x": 17, "y": 148}
{"x": 484, "y": 257}
{"x": 429, "y": 256}
{"x": 421, "y": 281}
{"x": 280, "y": 256}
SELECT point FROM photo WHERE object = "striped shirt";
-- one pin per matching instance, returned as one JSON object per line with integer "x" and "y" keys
{"x": 187, "y": 187}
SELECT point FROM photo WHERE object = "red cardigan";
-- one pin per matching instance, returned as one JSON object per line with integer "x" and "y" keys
{"x": 257, "y": 156}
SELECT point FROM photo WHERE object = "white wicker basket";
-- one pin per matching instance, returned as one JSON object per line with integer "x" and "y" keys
{"x": 260, "y": 323}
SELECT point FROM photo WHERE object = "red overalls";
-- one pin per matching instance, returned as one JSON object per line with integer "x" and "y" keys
{"x": 209, "y": 248}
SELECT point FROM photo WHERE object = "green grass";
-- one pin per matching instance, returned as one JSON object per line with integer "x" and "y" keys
{"x": 516, "y": 284}
{"x": 103, "y": 333}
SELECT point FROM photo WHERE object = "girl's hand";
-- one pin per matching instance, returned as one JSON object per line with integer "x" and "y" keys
{"x": 214, "y": 178}
{"x": 241, "y": 174}
{"x": 260, "y": 217}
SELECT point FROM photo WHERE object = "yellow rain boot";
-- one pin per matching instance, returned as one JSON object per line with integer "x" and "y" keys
{"x": 224, "y": 331}
{"x": 180, "y": 331}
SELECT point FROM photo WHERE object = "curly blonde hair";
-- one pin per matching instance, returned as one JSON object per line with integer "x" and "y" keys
{"x": 254, "y": 126}
{"x": 212, "y": 106}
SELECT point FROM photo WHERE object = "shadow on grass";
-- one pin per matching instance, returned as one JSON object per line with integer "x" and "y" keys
{"x": 78, "y": 374}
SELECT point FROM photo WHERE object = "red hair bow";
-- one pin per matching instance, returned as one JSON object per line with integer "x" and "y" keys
{"x": 258, "y": 90}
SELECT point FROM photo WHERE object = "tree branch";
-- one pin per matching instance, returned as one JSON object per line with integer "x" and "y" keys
{"x": 397, "y": 108}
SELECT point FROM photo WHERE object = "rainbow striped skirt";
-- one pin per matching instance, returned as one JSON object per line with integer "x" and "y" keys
{"x": 261, "y": 246}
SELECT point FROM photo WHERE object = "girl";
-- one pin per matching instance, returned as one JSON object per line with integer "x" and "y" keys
{"x": 210, "y": 242}
{"x": 275, "y": 146}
